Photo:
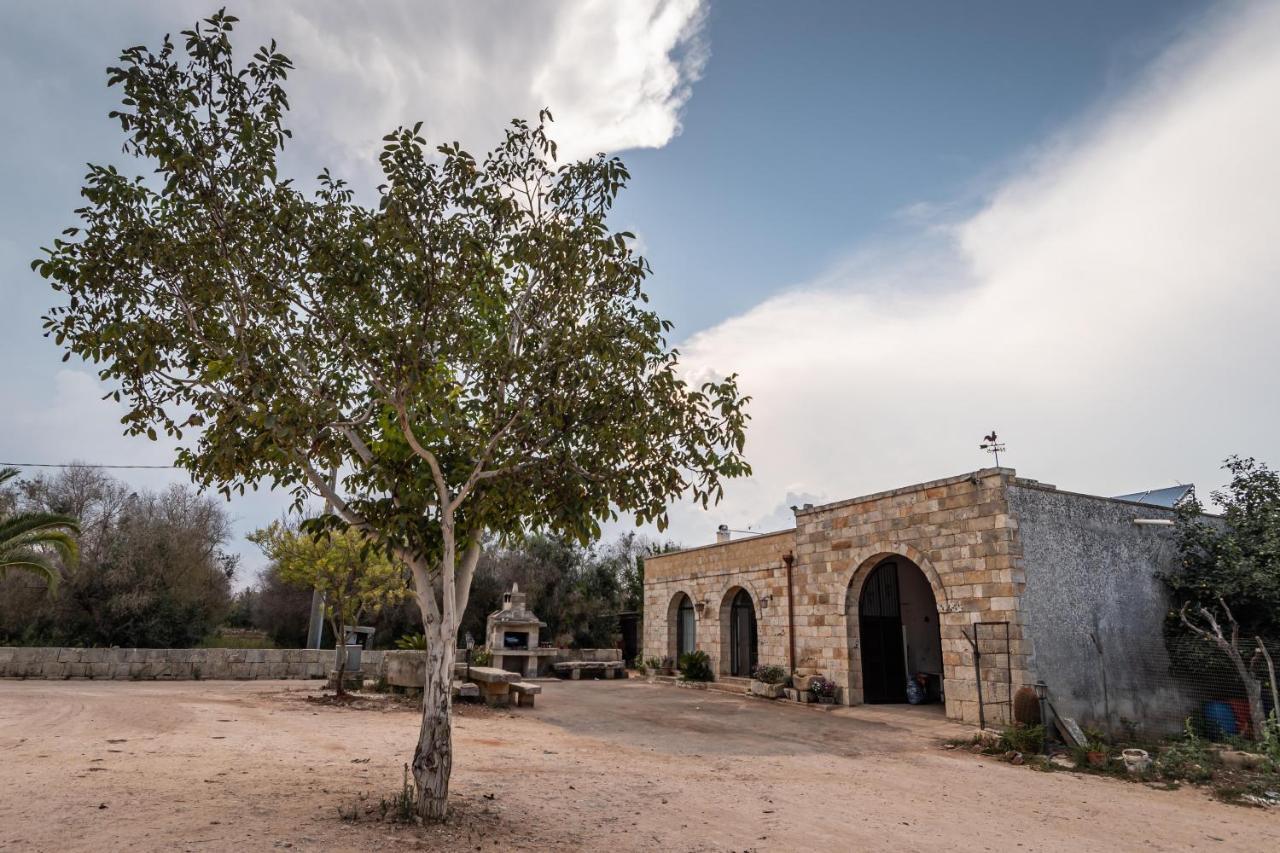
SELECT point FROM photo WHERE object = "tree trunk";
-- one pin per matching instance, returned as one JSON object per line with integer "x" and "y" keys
{"x": 1231, "y": 648}
{"x": 433, "y": 757}
{"x": 340, "y": 656}
{"x": 1271, "y": 672}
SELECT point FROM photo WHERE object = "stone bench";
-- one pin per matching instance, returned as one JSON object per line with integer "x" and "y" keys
{"x": 574, "y": 669}
{"x": 494, "y": 684}
{"x": 523, "y": 692}
{"x": 465, "y": 690}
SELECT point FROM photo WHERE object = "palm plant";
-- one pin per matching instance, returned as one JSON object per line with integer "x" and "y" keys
{"x": 28, "y": 540}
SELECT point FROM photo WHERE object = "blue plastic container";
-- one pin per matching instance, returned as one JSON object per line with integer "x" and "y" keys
{"x": 1220, "y": 720}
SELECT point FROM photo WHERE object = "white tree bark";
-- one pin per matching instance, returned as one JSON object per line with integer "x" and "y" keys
{"x": 1230, "y": 646}
{"x": 442, "y": 609}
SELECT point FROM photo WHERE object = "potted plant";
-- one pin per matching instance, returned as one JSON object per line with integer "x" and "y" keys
{"x": 822, "y": 690}
{"x": 668, "y": 666}
{"x": 768, "y": 681}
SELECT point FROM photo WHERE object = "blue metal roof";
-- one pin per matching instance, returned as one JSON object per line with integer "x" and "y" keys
{"x": 1166, "y": 497}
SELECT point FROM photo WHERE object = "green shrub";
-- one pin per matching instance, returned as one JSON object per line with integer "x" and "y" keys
{"x": 1024, "y": 739}
{"x": 1269, "y": 745}
{"x": 481, "y": 657}
{"x": 695, "y": 666}
{"x": 412, "y": 642}
{"x": 771, "y": 674}
{"x": 1189, "y": 759}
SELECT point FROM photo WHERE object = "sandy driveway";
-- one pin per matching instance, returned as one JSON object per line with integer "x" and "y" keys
{"x": 596, "y": 766}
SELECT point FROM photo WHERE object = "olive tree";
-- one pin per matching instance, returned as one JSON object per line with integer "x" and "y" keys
{"x": 473, "y": 355}
{"x": 354, "y": 579}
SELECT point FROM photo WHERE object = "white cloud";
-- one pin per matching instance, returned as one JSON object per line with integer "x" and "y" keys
{"x": 615, "y": 75}
{"x": 1111, "y": 310}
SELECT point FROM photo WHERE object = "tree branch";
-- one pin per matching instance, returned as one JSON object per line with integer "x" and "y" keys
{"x": 442, "y": 487}
{"x": 462, "y": 583}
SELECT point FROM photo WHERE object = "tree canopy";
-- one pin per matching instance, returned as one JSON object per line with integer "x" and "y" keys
{"x": 153, "y": 571}
{"x": 473, "y": 355}
{"x": 1236, "y": 558}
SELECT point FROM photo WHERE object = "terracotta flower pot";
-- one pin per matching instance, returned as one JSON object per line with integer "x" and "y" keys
{"x": 1097, "y": 759}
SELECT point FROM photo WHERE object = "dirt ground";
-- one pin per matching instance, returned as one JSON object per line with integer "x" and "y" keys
{"x": 606, "y": 765}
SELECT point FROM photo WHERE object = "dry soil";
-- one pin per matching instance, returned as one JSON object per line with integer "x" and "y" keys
{"x": 604, "y": 765}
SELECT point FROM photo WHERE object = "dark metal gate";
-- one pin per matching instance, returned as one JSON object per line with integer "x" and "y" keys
{"x": 884, "y": 665}
{"x": 993, "y": 668}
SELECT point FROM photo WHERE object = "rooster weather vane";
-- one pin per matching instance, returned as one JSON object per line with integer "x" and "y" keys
{"x": 992, "y": 445}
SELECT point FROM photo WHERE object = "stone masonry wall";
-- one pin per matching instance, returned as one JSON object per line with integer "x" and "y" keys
{"x": 959, "y": 531}
{"x": 711, "y": 577}
{"x": 174, "y": 664}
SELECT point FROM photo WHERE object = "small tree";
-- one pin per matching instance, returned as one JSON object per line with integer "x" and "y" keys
{"x": 1229, "y": 569}
{"x": 1208, "y": 628}
{"x": 355, "y": 578}
{"x": 475, "y": 354}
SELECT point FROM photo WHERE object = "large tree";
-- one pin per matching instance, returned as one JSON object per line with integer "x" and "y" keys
{"x": 473, "y": 355}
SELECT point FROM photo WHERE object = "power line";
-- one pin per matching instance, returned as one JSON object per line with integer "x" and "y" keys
{"x": 78, "y": 465}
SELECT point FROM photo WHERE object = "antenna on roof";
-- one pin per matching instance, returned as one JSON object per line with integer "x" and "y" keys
{"x": 992, "y": 445}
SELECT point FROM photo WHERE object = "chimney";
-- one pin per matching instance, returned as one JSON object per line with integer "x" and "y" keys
{"x": 722, "y": 533}
{"x": 513, "y": 600}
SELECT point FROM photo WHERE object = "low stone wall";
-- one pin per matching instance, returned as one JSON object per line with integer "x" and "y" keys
{"x": 594, "y": 655}
{"x": 174, "y": 664}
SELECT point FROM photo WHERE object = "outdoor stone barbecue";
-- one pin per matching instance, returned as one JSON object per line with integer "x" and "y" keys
{"x": 512, "y": 635}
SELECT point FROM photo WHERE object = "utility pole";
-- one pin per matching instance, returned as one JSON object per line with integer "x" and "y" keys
{"x": 315, "y": 626}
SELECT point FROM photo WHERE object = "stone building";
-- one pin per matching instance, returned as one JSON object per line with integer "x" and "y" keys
{"x": 910, "y": 582}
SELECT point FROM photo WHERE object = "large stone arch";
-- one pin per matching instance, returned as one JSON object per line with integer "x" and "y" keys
{"x": 865, "y": 559}
{"x": 673, "y": 633}
{"x": 724, "y": 652}
{"x": 863, "y": 562}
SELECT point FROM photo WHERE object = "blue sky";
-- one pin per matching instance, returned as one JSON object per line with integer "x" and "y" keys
{"x": 903, "y": 223}
{"x": 812, "y": 131}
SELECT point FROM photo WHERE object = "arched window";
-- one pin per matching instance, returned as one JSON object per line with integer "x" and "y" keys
{"x": 686, "y": 627}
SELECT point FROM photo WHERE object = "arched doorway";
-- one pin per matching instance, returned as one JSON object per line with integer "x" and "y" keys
{"x": 743, "y": 646}
{"x": 898, "y": 631}
{"x": 682, "y": 626}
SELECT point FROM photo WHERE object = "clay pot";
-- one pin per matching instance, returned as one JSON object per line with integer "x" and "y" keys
{"x": 1097, "y": 759}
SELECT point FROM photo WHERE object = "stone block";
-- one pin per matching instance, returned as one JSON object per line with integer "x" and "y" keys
{"x": 766, "y": 691}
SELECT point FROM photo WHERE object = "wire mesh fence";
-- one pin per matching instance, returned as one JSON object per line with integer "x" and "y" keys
{"x": 1159, "y": 688}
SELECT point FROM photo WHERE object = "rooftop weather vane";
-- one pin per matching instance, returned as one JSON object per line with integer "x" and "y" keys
{"x": 992, "y": 445}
